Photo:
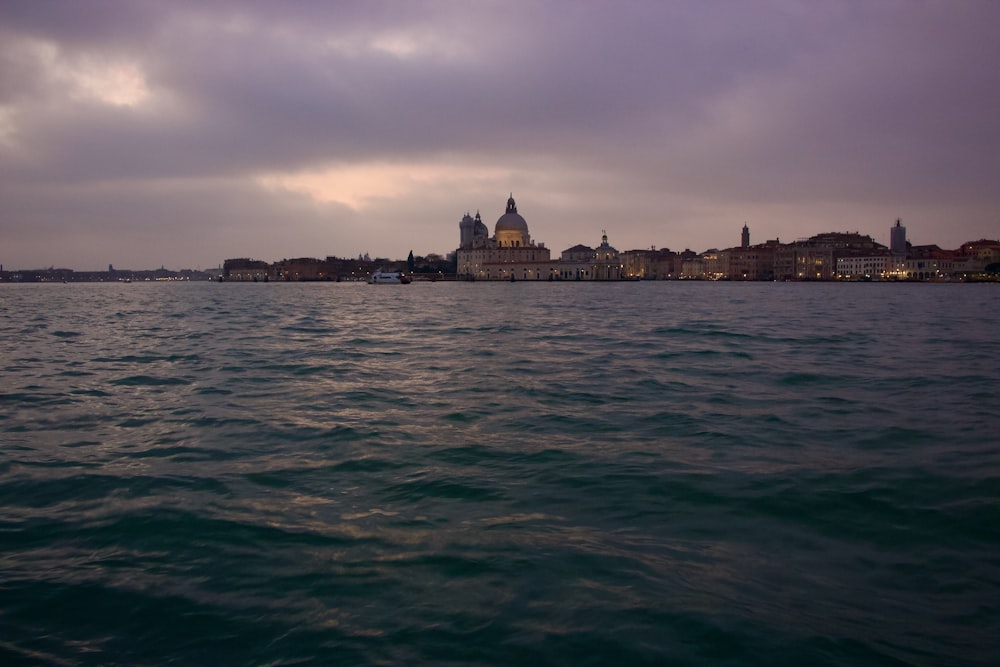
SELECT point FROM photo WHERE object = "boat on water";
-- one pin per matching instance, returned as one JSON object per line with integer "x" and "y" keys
{"x": 381, "y": 277}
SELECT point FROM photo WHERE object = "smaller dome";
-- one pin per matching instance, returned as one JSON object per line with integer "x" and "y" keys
{"x": 480, "y": 229}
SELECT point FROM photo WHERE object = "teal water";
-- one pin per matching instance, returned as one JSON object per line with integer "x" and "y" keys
{"x": 499, "y": 474}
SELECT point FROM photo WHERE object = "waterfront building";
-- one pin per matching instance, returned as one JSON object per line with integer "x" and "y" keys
{"x": 301, "y": 269}
{"x": 984, "y": 250}
{"x": 903, "y": 261}
{"x": 803, "y": 261}
{"x": 509, "y": 254}
{"x": 245, "y": 269}
{"x": 751, "y": 262}
{"x": 709, "y": 265}
{"x": 745, "y": 262}
{"x": 680, "y": 260}
{"x": 716, "y": 264}
{"x": 653, "y": 264}
{"x": 923, "y": 263}
{"x": 582, "y": 262}
{"x": 666, "y": 264}
{"x": 869, "y": 267}
{"x": 637, "y": 264}
{"x": 576, "y": 263}
{"x": 700, "y": 267}
{"x": 607, "y": 263}
{"x": 943, "y": 267}
{"x": 816, "y": 258}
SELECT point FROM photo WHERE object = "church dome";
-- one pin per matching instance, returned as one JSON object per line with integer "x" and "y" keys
{"x": 511, "y": 221}
{"x": 480, "y": 229}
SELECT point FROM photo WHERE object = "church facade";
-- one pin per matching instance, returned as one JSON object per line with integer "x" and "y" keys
{"x": 511, "y": 255}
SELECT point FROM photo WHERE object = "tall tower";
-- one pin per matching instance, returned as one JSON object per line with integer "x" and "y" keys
{"x": 897, "y": 239}
{"x": 467, "y": 229}
{"x": 746, "y": 236}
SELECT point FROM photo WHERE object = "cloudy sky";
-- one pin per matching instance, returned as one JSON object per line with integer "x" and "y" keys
{"x": 183, "y": 133}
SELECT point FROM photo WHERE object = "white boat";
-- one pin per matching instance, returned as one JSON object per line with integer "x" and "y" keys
{"x": 381, "y": 277}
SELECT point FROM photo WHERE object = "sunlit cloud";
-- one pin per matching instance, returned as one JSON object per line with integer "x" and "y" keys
{"x": 400, "y": 44}
{"x": 115, "y": 82}
{"x": 411, "y": 44}
{"x": 118, "y": 84}
{"x": 359, "y": 186}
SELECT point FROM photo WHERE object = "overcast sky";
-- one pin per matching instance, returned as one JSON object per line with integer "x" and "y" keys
{"x": 183, "y": 133}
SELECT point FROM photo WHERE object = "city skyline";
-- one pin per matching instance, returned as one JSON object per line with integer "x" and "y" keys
{"x": 449, "y": 253}
{"x": 178, "y": 135}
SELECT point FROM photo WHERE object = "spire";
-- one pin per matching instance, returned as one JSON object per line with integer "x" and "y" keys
{"x": 511, "y": 206}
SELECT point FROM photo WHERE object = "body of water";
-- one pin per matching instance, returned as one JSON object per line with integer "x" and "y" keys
{"x": 500, "y": 474}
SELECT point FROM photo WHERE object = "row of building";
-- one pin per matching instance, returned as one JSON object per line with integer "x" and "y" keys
{"x": 59, "y": 275}
{"x": 339, "y": 269}
{"x": 511, "y": 254}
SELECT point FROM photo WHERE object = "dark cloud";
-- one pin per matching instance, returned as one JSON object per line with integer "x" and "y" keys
{"x": 667, "y": 123}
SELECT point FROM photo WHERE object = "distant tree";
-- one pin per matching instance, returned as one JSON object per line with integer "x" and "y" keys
{"x": 410, "y": 263}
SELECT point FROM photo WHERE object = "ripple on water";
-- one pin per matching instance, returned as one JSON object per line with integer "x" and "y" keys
{"x": 644, "y": 473}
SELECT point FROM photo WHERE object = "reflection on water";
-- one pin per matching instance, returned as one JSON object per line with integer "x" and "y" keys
{"x": 499, "y": 474}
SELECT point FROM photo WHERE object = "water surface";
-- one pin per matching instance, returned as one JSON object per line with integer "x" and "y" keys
{"x": 455, "y": 473}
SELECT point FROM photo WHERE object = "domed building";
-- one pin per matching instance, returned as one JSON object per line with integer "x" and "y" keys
{"x": 607, "y": 262}
{"x": 511, "y": 230}
{"x": 585, "y": 263}
{"x": 509, "y": 255}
